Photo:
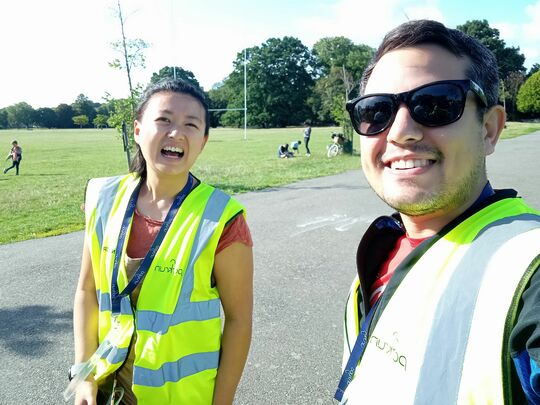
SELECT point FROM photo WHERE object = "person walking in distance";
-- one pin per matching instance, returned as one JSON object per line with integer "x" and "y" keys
{"x": 445, "y": 306}
{"x": 15, "y": 154}
{"x": 307, "y": 136}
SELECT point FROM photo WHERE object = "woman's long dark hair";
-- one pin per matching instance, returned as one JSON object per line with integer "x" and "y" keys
{"x": 138, "y": 164}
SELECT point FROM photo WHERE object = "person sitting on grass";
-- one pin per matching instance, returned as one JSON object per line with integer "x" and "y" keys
{"x": 284, "y": 152}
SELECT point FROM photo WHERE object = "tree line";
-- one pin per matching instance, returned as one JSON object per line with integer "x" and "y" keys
{"x": 287, "y": 84}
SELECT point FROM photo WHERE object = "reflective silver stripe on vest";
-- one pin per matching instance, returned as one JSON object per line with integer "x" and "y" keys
{"x": 440, "y": 376}
{"x": 104, "y": 206}
{"x": 186, "y": 310}
{"x": 174, "y": 371}
{"x": 115, "y": 355}
{"x": 104, "y": 300}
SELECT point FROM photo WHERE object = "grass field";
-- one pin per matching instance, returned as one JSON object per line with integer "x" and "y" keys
{"x": 45, "y": 199}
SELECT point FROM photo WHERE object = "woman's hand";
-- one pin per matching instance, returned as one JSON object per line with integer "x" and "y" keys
{"x": 86, "y": 393}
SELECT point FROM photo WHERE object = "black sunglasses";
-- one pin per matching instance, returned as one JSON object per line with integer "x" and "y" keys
{"x": 432, "y": 105}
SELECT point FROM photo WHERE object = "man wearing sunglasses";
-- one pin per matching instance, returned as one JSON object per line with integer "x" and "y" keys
{"x": 446, "y": 305}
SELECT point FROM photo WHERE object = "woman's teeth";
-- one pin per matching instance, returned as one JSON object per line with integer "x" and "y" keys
{"x": 172, "y": 150}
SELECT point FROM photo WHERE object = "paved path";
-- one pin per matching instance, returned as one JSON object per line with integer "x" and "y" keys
{"x": 305, "y": 237}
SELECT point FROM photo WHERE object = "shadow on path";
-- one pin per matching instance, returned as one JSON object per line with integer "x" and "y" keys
{"x": 30, "y": 330}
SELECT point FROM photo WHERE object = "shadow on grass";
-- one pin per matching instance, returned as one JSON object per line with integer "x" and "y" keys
{"x": 30, "y": 330}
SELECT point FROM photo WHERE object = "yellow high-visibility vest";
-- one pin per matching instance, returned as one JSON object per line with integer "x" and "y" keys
{"x": 442, "y": 337}
{"x": 177, "y": 320}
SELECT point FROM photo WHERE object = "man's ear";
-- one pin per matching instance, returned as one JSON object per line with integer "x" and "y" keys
{"x": 494, "y": 123}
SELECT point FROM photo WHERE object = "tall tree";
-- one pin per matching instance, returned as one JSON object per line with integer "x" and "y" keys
{"x": 80, "y": 120}
{"x": 20, "y": 115}
{"x": 175, "y": 71}
{"x": 534, "y": 68}
{"x": 342, "y": 53}
{"x": 218, "y": 100}
{"x": 132, "y": 51}
{"x": 512, "y": 83}
{"x": 343, "y": 63}
{"x": 3, "y": 118}
{"x": 64, "y": 112}
{"x": 100, "y": 121}
{"x": 46, "y": 118}
{"x": 528, "y": 99}
{"x": 509, "y": 59}
{"x": 279, "y": 80}
{"x": 84, "y": 106}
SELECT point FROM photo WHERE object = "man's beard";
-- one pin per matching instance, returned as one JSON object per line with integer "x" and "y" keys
{"x": 446, "y": 198}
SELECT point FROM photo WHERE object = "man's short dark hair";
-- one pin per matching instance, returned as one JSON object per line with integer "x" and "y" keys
{"x": 483, "y": 65}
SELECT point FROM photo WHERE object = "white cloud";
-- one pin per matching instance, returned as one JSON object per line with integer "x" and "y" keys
{"x": 526, "y": 36}
{"x": 532, "y": 28}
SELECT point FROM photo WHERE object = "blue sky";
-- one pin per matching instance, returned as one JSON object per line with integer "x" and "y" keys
{"x": 54, "y": 50}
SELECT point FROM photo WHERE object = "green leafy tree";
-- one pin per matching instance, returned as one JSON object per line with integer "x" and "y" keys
{"x": 534, "y": 68}
{"x": 509, "y": 59}
{"x": 121, "y": 110}
{"x": 341, "y": 52}
{"x": 84, "y": 106}
{"x": 46, "y": 118}
{"x": 132, "y": 56}
{"x": 3, "y": 119}
{"x": 64, "y": 114}
{"x": 323, "y": 99}
{"x": 343, "y": 63}
{"x": 511, "y": 84}
{"x": 279, "y": 79}
{"x": 100, "y": 121}
{"x": 528, "y": 98}
{"x": 20, "y": 115}
{"x": 218, "y": 100}
{"x": 171, "y": 72}
{"x": 80, "y": 120}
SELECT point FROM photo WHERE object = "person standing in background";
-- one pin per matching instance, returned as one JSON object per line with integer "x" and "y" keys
{"x": 307, "y": 136}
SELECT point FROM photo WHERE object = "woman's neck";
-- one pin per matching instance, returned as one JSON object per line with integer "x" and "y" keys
{"x": 157, "y": 194}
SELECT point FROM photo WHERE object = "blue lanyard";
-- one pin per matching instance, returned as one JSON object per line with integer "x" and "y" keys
{"x": 116, "y": 296}
{"x": 358, "y": 349}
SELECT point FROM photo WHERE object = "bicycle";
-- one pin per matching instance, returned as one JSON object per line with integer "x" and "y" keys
{"x": 336, "y": 147}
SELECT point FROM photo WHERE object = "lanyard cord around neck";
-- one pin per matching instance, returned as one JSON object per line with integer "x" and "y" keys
{"x": 116, "y": 296}
{"x": 356, "y": 353}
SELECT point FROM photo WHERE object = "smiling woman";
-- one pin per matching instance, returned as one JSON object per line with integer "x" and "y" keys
{"x": 163, "y": 251}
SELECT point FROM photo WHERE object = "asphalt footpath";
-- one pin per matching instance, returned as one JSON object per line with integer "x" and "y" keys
{"x": 305, "y": 237}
